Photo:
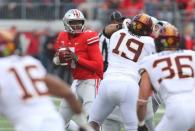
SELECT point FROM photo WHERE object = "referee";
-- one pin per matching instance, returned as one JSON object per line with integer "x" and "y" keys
{"x": 115, "y": 24}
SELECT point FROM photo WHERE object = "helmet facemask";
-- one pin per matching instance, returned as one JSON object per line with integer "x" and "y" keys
{"x": 141, "y": 25}
{"x": 74, "y": 26}
{"x": 77, "y": 25}
{"x": 140, "y": 29}
{"x": 163, "y": 43}
{"x": 168, "y": 39}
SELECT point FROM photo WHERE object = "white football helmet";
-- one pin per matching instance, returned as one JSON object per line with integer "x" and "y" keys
{"x": 163, "y": 23}
{"x": 74, "y": 21}
{"x": 126, "y": 23}
{"x": 156, "y": 27}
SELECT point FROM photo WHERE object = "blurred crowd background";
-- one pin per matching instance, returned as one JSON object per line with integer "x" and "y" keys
{"x": 33, "y": 25}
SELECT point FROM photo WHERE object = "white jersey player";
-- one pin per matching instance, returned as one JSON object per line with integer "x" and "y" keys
{"x": 24, "y": 100}
{"x": 114, "y": 120}
{"x": 120, "y": 84}
{"x": 24, "y": 97}
{"x": 171, "y": 73}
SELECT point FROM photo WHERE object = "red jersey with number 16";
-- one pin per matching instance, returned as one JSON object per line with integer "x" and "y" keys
{"x": 86, "y": 47}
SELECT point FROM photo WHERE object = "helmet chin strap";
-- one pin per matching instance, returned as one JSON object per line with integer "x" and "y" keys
{"x": 69, "y": 29}
{"x": 77, "y": 31}
{"x": 72, "y": 32}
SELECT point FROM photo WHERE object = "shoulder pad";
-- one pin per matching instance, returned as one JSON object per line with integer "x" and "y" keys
{"x": 91, "y": 37}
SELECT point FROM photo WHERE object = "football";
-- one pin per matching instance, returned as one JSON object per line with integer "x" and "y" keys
{"x": 64, "y": 56}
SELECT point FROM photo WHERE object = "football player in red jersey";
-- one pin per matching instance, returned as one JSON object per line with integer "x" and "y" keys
{"x": 79, "y": 50}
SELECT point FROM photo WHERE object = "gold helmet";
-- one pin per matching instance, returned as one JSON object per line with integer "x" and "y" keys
{"x": 141, "y": 25}
{"x": 168, "y": 38}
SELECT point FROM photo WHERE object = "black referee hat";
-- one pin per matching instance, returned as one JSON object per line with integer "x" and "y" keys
{"x": 117, "y": 16}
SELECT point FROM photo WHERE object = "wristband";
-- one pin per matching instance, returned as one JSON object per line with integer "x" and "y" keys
{"x": 142, "y": 100}
{"x": 56, "y": 60}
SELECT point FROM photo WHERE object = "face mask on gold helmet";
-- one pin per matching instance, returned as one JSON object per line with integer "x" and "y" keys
{"x": 168, "y": 38}
{"x": 141, "y": 25}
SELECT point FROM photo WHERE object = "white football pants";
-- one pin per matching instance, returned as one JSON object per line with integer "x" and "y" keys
{"x": 85, "y": 91}
{"x": 179, "y": 113}
{"x": 116, "y": 92}
{"x": 50, "y": 122}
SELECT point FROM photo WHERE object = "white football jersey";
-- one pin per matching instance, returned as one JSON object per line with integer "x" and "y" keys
{"x": 22, "y": 90}
{"x": 126, "y": 50}
{"x": 171, "y": 72}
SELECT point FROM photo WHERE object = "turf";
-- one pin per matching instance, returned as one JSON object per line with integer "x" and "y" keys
{"x": 5, "y": 125}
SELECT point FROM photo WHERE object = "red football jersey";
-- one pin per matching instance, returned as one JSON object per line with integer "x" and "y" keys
{"x": 86, "y": 46}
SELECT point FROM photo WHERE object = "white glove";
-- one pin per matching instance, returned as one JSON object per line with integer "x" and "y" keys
{"x": 81, "y": 120}
{"x": 56, "y": 60}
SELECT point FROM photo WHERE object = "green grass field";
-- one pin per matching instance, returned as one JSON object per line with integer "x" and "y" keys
{"x": 5, "y": 125}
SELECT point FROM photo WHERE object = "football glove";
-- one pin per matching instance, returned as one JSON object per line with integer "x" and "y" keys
{"x": 56, "y": 60}
{"x": 81, "y": 120}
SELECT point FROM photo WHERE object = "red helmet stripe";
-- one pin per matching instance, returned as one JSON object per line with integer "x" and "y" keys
{"x": 74, "y": 12}
{"x": 77, "y": 13}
